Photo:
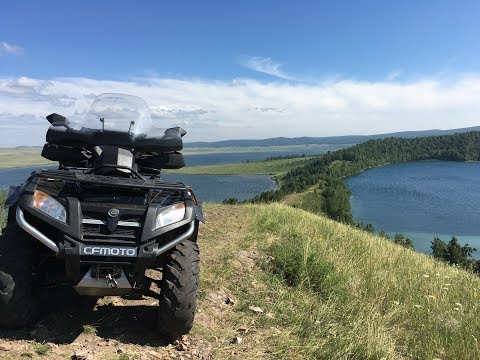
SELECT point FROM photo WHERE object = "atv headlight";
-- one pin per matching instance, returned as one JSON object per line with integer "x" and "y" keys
{"x": 169, "y": 215}
{"x": 49, "y": 206}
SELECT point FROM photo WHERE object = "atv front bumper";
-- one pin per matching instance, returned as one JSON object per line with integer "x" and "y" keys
{"x": 97, "y": 249}
{"x": 104, "y": 278}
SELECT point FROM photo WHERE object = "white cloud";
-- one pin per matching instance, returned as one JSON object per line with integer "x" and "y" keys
{"x": 245, "y": 108}
{"x": 265, "y": 65}
{"x": 10, "y": 49}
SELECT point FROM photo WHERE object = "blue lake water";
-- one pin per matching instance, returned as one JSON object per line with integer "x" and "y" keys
{"x": 422, "y": 200}
{"x": 216, "y": 188}
{"x": 213, "y": 188}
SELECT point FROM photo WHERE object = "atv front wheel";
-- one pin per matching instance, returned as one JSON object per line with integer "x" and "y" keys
{"x": 17, "y": 303}
{"x": 178, "y": 290}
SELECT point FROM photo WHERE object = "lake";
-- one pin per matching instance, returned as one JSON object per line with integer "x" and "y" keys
{"x": 422, "y": 200}
{"x": 213, "y": 188}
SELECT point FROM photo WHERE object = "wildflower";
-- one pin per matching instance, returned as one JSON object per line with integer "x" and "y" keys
{"x": 456, "y": 309}
{"x": 458, "y": 304}
{"x": 426, "y": 276}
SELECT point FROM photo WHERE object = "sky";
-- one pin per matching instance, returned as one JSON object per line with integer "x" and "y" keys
{"x": 244, "y": 69}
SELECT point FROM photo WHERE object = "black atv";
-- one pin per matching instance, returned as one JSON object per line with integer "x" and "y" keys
{"x": 104, "y": 218}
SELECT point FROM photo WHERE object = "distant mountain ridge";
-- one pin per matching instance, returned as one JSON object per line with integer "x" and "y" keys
{"x": 306, "y": 140}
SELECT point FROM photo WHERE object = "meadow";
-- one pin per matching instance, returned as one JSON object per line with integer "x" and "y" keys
{"x": 270, "y": 167}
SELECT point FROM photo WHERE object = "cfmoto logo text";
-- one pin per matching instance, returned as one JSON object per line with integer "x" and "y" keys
{"x": 105, "y": 251}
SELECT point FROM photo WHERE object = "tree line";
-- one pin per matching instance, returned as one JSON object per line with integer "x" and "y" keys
{"x": 323, "y": 174}
{"x": 451, "y": 252}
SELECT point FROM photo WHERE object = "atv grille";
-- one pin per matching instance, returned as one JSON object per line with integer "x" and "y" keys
{"x": 125, "y": 231}
{"x": 88, "y": 229}
{"x": 91, "y": 231}
{"x": 130, "y": 218}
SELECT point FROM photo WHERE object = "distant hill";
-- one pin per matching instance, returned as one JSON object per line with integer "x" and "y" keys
{"x": 305, "y": 140}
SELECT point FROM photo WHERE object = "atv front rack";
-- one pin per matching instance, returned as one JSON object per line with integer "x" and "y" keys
{"x": 110, "y": 181}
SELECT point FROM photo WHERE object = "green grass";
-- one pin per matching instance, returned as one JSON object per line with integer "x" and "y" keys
{"x": 359, "y": 296}
{"x": 3, "y": 210}
{"x": 123, "y": 356}
{"x": 271, "y": 167}
{"x": 20, "y": 157}
{"x": 41, "y": 348}
{"x": 335, "y": 292}
{"x": 89, "y": 329}
{"x": 236, "y": 149}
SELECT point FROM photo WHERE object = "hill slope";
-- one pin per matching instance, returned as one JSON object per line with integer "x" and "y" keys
{"x": 291, "y": 285}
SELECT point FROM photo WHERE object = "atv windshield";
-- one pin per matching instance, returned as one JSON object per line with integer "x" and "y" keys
{"x": 118, "y": 112}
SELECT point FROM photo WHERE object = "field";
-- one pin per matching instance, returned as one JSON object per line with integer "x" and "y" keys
{"x": 271, "y": 167}
{"x": 22, "y": 156}
{"x": 282, "y": 283}
{"x": 236, "y": 149}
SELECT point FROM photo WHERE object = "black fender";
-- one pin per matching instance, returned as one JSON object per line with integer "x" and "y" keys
{"x": 12, "y": 195}
{"x": 199, "y": 213}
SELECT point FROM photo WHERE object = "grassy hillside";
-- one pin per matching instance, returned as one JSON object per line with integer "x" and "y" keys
{"x": 320, "y": 148}
{"x": 355, "y": 295}
{"x": 271, "y": 167}
{"x": 293, "y": 285}
{"x": 22, "y": 156}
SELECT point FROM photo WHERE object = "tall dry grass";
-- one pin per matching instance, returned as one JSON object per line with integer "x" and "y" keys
{"x": 354, "y": 295}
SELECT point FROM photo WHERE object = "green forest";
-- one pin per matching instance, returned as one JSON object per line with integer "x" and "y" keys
{"x": 324, "y": 173}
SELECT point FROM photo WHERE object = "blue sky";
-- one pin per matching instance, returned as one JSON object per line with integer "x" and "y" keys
{"x": 220, "y": 67}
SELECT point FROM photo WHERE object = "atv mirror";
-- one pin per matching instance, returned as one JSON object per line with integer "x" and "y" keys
{"x": 181, "y": 131}
{"x": 57, "y": 120}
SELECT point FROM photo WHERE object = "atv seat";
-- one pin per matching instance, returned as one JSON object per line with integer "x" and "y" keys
{"x": 63, "y": 135}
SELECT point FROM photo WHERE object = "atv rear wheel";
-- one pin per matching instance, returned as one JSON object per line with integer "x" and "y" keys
{"x": 178, "y": 290}
{"x": 18, "y": 306}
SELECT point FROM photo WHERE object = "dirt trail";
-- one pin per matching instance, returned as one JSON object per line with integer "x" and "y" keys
{"x": 117, "y": 328}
